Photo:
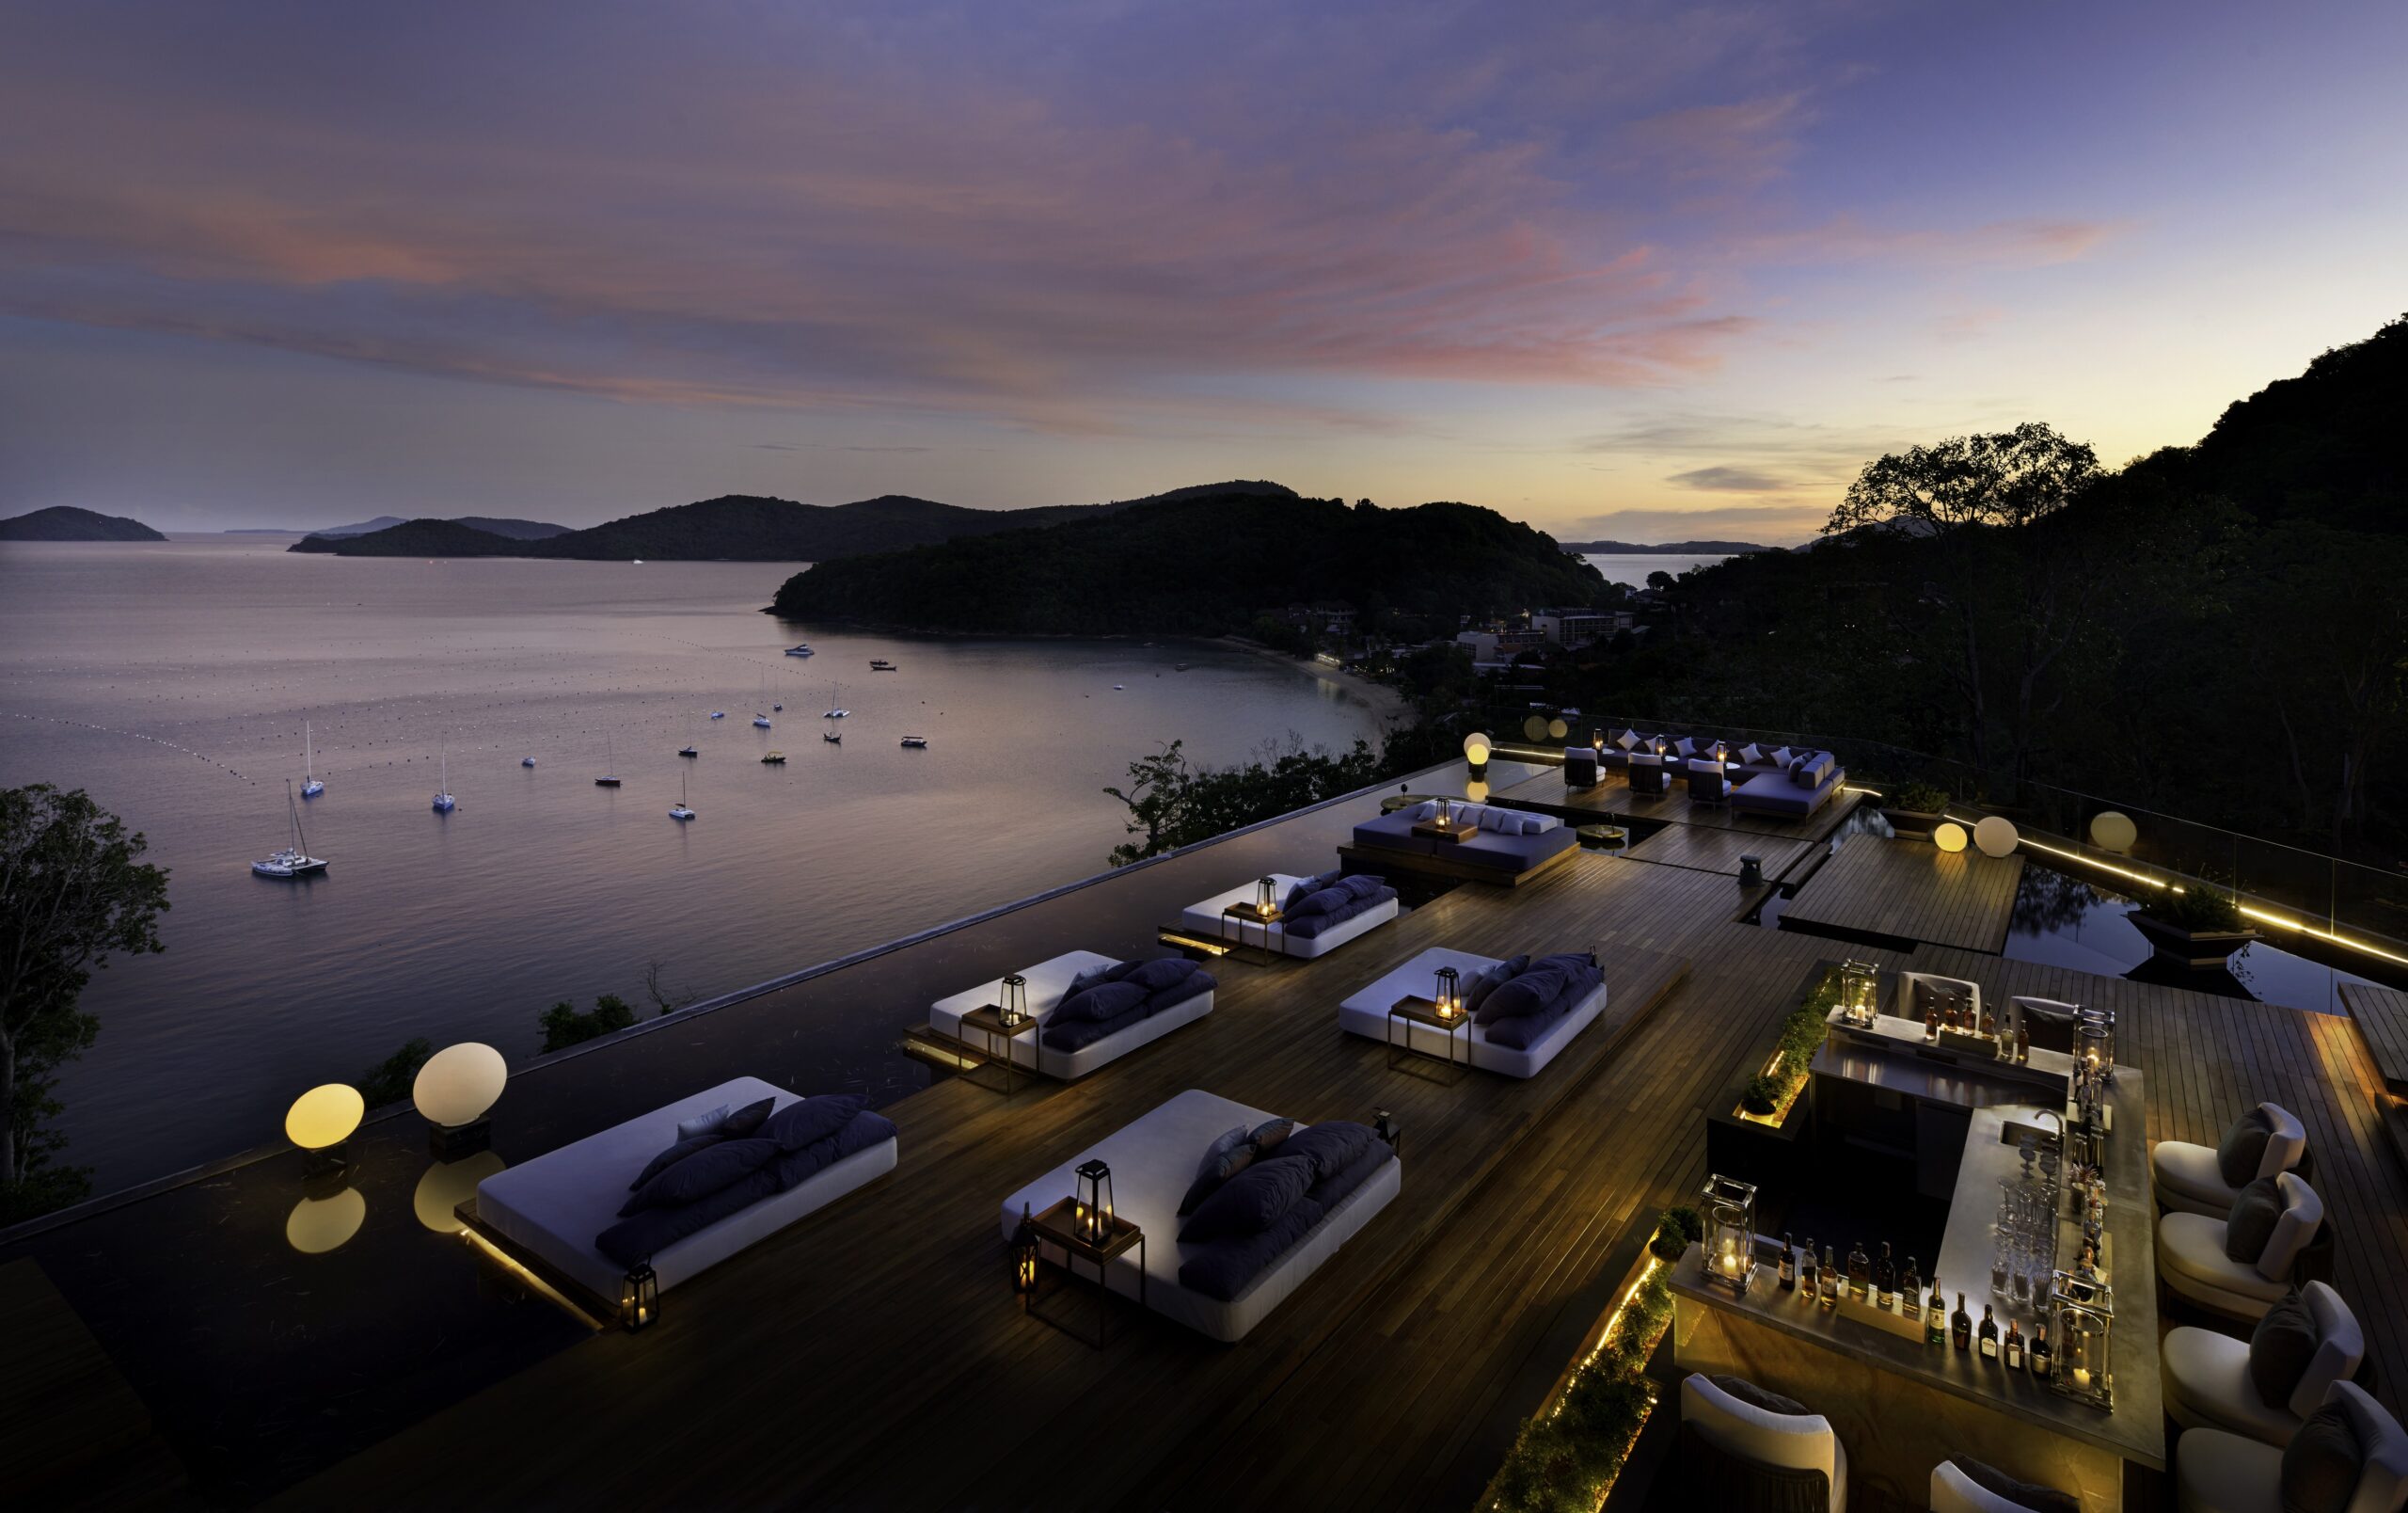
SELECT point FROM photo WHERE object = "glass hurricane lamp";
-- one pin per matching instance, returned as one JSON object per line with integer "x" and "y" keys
{"x": 2084, "y": 1313}
{"x": 1092, "y": 1199}
{"x": 1012, "y": 1001}
{"x": 1729, "y": 1252}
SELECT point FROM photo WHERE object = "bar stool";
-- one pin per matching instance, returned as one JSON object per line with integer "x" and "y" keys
{"x": 2209, "y": 1383}
{"x": 2190, "y": 1178}
{"x": 1743, "y": 1456}
{"x": 1956, "y": 1488}
{"x": 2219, "y": 1472}
{"x": 2194, "y": 1263}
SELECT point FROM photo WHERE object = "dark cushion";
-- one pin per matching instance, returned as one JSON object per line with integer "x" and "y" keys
{"x": 1533, "y": 992}
{"x": 1194, "y": 986}
{"x": 1267, "y": 1136}
{"x": 1523, "y": 1032}
{"x": 1106, "y": 1000}
{"x": 1306, "y": 887}
{"x": 1250, "y": 1202}
{"x": 2322, "y": 1466}
{"x": 1324, "y": 1150}
{"x": 1320, "y": 902}
{"x": 2244, "y": 1148}
{"x": 1228, "y": 1154}
{"x": 2280, "y": 1350}
{"x": 1072, "y": 1035}
{"x": 670, "y": 1157}
{"x": 721, "y": 1164}
{"x": 1483, "y": 982}
{"x": 1755, "y": 1397}
{"x": 1090, "y": 977}
{"x": 1363, "y": 885}
{"x": 1162, "y": 972}
{"x": 2021, "y": 1493}
{"x": 2251, "y": 1224}
{"x": 808, "y": 1119}
{"x": 747, "y": 1120}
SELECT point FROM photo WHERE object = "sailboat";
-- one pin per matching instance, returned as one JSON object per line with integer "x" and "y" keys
{"x": 835, "y": 710}
{"x": 444, "y": 802}
{"x": 311, "y": 786}
{"x": 295, "y": 859}
{"x": 681, "y": 812}
{"x": 760, "y": 721}
{"x": 607, "y": 779}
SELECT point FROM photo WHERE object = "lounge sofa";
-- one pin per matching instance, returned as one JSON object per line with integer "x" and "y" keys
{"x": 1489, "y": 846}
{"x": 1154, "y": 1164}
{"x": 1790, "y": 792}
{"x": 1057, "y": 1049}
{"x": 1364, "y": 903}
{"x": 1491, "y": 1046}
{"x": 556, "y": 1206}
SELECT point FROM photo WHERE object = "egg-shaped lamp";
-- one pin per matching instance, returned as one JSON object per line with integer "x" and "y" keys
{"x": 446, "y": 1186}
{"x": 1995, "y": 836}
{"x": 1476, "y": 747}
{"x": 1948, "y": 836}
{"x": 324, "y": 1117}
{"x": 454, "y": 1090}
{"x": 318, "y": 1225}
{"x": 2114, "y": 831}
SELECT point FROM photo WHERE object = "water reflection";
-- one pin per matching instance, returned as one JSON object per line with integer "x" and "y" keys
{"x": 319, "y": 1225}
{"x": 448, "y": 1185}
{"x": 2064, "y": 920}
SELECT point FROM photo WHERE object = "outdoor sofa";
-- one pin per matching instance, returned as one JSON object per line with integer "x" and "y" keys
{"x": 1504, "y": 842}
{"x": 1317, "y": 914}
{"x": 1520, "y": 1046}
{"x": 1786, "y": 784}
{"x": 1225, "y": 1285}
{"x": 1094, "y": 1032}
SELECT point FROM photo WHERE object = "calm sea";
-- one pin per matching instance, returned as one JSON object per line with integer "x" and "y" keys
{"x": 1634, "y": 569}
{"x": 172, "y": 682}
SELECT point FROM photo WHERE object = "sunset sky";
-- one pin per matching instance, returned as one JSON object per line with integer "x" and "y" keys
{"x": 1644, "y": 271}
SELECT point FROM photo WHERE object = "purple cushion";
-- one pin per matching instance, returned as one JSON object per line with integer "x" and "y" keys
{"x": 675, "y": 1153}
{"x": 1108, "y": 1000}
{"x": 1250, "y": 1202}
{"x": 807, "y": 1119}
{"x": 1363, "y": 885}
{"x": 1228, "y": 1156}
{"x": 1325, "y": 901}
{"x": 1162, "y": 972}
{"x": 1533, "y": 992}
{"x": 746, "y": 1121}
{"x": 722, "y": 1164}
{"x": 1324, "y": 1149}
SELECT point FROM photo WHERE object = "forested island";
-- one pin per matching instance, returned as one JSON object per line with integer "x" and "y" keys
{"x": 1665, "y": 549}
{"x": 65, "y": 522}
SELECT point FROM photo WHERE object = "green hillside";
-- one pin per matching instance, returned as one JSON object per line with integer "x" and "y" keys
{"x": 65, "y": 522}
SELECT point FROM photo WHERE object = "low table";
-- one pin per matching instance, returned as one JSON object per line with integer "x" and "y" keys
{"x": 1058, "y": 1226}
{"x": 1433, "y": 830}
{"x": 1416, "y": 1010}
{"x": 988, "y": 1022}
{"x": 1248, "y": 914}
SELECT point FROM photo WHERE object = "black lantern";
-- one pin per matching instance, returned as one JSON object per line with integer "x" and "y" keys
{"x": 1094, "y": 1199}
{"x": 1266, "y": 898}
{"x": 1449, "y": 994}
{"x": 1012, "y": 1002}
{"x": 1024, "y": 1258}
{"x": 638, "y": 1297}
{"x": 1597, "y": 740}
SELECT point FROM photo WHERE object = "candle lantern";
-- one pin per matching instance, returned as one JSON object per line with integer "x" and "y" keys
{"x": 1024, "y": 1258}
{"x": 1860, "y": 991}
{"x": 1012, "y": 1002}
{"x": 1266, "y": 898}
{"x": 1597, "y": 739}
{"x": 2085, "y": 1317}
{"x": 1094, "y": 1199}
{"x": 1730, "y": 1249}
{"x": 1446, "y": 812}
{"x": 1449, "y": 994}
{"x": 2093, "y": 1041}
{"x": 638, "y": 1297}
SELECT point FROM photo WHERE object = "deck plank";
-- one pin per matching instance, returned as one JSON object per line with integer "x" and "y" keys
{"x": 1911, "y": 891}
{"x": 2380, "y": 1015}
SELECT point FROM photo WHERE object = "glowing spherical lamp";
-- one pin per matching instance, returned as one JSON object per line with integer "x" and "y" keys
{"x": 1476, "y": 791}
{"x": 324, "y": 1117}
{"x": 448, "y": 1185}
{"x": 1949, "y": 837}
{"x": 1995, "y": 836}
{"x": 2111, "y": 831}
{"x": 1534, "y": 728}
{"x": 1476, "y": 747}
{"x": 318, "y": 1225}
{"x": 459, "y": 1083}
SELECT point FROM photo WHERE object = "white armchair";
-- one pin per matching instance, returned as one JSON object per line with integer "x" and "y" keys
{"x": 2190, "y": 1181}
{"x": 1952, "y": 1491}
{"x": 2192, "y": 1262}
{"x": 2207, "y": 1384}
{"x": 1781, "y": 1442}
{"x": 2219, "y": 1472}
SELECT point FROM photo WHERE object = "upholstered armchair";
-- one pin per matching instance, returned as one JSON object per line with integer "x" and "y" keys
{"x": 2195, "y": 1259}
{"x": 1750, "y": 1458}
{"x": 2219, "y": 1472}
{"x": 1981, "y": 1490}
{"x": 1920, "y": 992}
{"x": 1647, "y": 775}
{"x": 1708, "y": 782}
{"x": 2190, "y": 1178}
{"x": 1579, "y": 767}
{"x": 2047, "y": 1022}
{"x": 2215, "y": 1381}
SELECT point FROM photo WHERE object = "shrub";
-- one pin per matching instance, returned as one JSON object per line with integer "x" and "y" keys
{"x": 1674, "y": 1232}
{"x": 1762, "y": 1093}
{"x": 390, "y": 1080}
{"x": 1921, "y": 798}
{"x": 563, "y": 1027}
{"x": 2197, "y": 907}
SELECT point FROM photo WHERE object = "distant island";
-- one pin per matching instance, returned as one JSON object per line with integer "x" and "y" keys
{"x": 737, "y": 528}
{"x": 491, "y": 525}
{"x": 1667, "y": 548}
{"x": 65, "y": 522}
{"x": 1201, "y": 565}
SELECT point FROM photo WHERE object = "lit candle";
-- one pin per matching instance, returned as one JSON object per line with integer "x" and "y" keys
{"x": 2081, "y": 1378}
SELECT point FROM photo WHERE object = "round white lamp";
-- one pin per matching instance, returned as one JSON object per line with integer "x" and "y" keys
{"x": 1476, "y": 749}
{"x": 321, "y": 1119}
{"x": 1557, "y": 730}
{"x": 454, "y": 1090}
{"x": 318, "y": 1225}
{"x": 2111, "y": 831}
{"x": 1995, "y": 836}
{"x": 448, "y": 1185}
{"x": 1534, "y": 729}
{"x": 1948, "y": 835}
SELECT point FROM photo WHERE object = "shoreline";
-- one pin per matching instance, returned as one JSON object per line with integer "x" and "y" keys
{"x": 1386, "y": 702}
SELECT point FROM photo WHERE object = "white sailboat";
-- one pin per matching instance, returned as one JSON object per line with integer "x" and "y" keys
{"x": 311, "y": 786}
{"x": 295, "y": 859}
{"x": 444, "y": 802}
{"x": 761, "y": 721}
{"x": 610, "y": 767}
{"x": 835, "y": 710}
{"x": 681, "y": 812}
{"x": 688, "y": 749}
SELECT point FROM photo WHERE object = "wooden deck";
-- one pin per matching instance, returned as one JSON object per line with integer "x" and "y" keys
{"x": 72, "y": 1433}
{"x": 2381, "y": 1017}
{"x": 1705, "y": 849}
{"x": 1613, "y": 796}
{"x": 1909, "y": 890}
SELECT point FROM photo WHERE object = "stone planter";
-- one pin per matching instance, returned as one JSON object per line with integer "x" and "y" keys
{"x": 2200, "y": 948}
{"x": 1773, "y": 1156}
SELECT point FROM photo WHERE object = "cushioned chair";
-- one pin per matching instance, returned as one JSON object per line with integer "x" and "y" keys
{"x": 2219, "y": 1472}
{"x": 2209, "y": 1385}
{"x": 2047, "y": 1022}
{"x": 2190, "y": 1179}
{"x": 1917, "y": 991}
{"x": 2192, "y": 1262}
{"x": 1734, "y": 1449}
{"x": 1708, "y": 782}
{"x": 1952, "y": 1491}
{"x": 1579, "y": 767}
{"x": 1647, "y": 775}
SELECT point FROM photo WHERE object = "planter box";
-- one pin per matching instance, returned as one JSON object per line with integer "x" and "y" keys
{"x": 2201, "y": 948}
{"x": 1911, "y": 824}
{"x": 1773, "y": 1156}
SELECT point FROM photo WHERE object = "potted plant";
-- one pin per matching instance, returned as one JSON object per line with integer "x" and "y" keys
{"x": 2198, "y": 926}
{"x": 1914, "y": 809}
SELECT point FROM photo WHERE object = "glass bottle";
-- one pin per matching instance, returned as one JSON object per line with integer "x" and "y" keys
{"x": 1833, "y": 1285}
{"x": 2022, "y": 1045}
{"x": 1789, "y": 1264}
{"x": 1809, "y": 1278}
{"x": 1935, "y": 1316}
{"x": 2037, "y": 1356}
{"x": 1988, "y": 1334}
{"x": 1910, "y": 1293}
{"x": 1860, "y": 1272}
{"x": 1885, "y": 1281}
{"x": 1960, "y": 1325}
{"x": 2013, "y": 1350}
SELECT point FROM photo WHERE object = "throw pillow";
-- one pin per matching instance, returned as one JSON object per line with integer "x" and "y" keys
{"x": 2280, "y": 1350}
{"x": 1268, "y": 1134}
{"x": 1751, "y": 752}
{"x": 1533, "y": 825}
{"x": 1326, "y": 901}
{"x": 1228, "y": 1154}
{"x": 1085, "y": 980}
{"x": 1426, "y": 809}
{"x": 809, "y": 1121}
{"x": 1363, "y": 885}
{"x": 2242, "y": 1150}
{"x": 1247, "y": 1203}
{"x": 1108, "y": 1000}
{"x": 2320, "y": 1467}
{"x": 670, "y": 1157}
{"x": 2039, "y": 1499}
{"x": 702, "y": 1124}
{"x": 1755, "y": 1397}
{"x": 1162, "y": 972}
{"x": 747, "y": 1120}
{"x": 722, "y": 1164}
{"x": 2251, "y": 1224}
{"x": 1531, "y": 993}
{"x": 1483, "y": 982}
{"x": 1628, "y": 741}
{"x": 1325, "y": 1148}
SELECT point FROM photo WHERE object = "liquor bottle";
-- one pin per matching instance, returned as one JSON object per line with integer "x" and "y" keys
{"x": 1935, "y": 1316}
{"x": 1885, "y": 1281}
{"x": 1989, "y": 1334}
{"x": 1910, "y": 1293}
{"x": 1989, "y": 1025}
{"x": 2037, "y": 1356}
{"x": 2022, "y": 1045}
{"x": 1809, "y": 1279}
{"x": 1860, "y": 1272}
{"x": 2014, "y": 1347}
{"x": 1960, "y": 1325}
{"x": 1832, "y": 1282}
{"x": 1789, "y": 1264}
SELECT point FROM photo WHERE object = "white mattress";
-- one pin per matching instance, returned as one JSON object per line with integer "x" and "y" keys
{"x": 554, "y": 1205}
{"x": 1208, "y": 918}
{"x": 1366, "y": 1013}
{"x": 1153, "y": 1162}
{"x": 1047, "y": 983}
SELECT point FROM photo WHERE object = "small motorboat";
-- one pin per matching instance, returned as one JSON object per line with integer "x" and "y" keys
{"x": 1118, "y": 686}
{"x": 916, "y": 743}
{"x": 526, "y": 761}
{"x": 1179, "y": 667}
{"x": 718, "y": 715}
{"x": 760, "y": 721}
{"x": 777, "y": 709}
{"x": 834, "y": 737}
{"x": 880, "y": 665}
{"x": 773, "y": 758}
{"x": 688, "y": 751}
{"x": 799, "y": 649}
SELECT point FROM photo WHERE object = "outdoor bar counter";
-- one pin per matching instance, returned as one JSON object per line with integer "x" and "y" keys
{"x": 1899, "y": 1406}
